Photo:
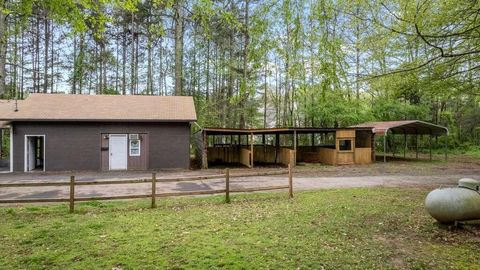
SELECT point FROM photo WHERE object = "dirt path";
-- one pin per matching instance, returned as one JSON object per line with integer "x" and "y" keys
{"x": 300, "y": 183}
{"x": 394, "y": 174}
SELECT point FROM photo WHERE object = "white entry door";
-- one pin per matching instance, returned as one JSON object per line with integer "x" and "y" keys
{"x": 118, "y": 147}
{"x": 31, "y": 153}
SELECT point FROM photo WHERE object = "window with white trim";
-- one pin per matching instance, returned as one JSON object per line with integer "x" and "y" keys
{"x": 345, "y": 145}
{"x": 134, "y": 146}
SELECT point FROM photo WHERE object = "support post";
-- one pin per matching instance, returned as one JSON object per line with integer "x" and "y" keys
{"x": 72, "y": 194}
{"x": 393, "y": 145}
{"x": 251, "y": 150}
{"x": 430, "y": 147}
{"x": 205, "y": 151}
{"x": 404, "y": 145}
{"x": 446, "y": 147}
{"x": 227, "y": 185}
{"x": 416, "y": 146}
{"x": 385, "y": 147}
{"x": 294, "y": 148}
{"x": 277, "y": 146}
{"x": 154, "y": 190}
{"x": 290, "y": 181}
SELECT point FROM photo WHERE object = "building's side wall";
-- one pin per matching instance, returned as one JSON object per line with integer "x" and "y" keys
{"x": 77, "y": 146}
{"x": 345, "y": 157}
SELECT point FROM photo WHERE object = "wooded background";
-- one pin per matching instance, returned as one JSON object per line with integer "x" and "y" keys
{"x": 250, "y": 63}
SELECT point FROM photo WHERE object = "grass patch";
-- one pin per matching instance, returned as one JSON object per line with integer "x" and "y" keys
{"x": 347, "y": 228}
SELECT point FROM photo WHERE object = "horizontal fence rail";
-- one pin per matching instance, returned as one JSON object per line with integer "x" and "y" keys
{"x": 153, "y": 180}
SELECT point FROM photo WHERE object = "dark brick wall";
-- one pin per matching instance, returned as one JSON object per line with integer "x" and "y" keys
{"x": 75, "y": 146}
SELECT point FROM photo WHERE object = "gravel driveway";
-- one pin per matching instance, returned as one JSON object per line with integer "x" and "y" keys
{"x": 302, "y": 181}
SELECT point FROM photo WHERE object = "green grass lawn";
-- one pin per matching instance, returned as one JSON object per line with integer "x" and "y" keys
{"x": 332, "y": 229}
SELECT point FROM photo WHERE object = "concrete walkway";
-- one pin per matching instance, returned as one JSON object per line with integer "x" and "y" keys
{"x": 309, "y": 182}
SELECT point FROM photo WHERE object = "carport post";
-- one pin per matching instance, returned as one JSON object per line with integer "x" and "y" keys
{"x": 385, "y": 147}
{"x": 430, "y": 142}
{"x": 251, "y": 149}
{"x": 446, "y": 147}
{"x": 404, "y": 145}
{"x": 416, "y": 145}
{"x": 393, "y": 145}
{"x": 295, "y": 147}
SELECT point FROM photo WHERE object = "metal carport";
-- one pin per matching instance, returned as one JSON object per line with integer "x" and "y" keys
{"x": 407, "y": 127}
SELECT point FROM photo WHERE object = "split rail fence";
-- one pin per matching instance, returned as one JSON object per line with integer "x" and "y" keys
{"x": 154, "y": 181}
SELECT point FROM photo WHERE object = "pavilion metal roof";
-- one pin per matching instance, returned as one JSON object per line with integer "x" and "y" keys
{"x": 404, "y": 127}
{"x": 283, "y": 130}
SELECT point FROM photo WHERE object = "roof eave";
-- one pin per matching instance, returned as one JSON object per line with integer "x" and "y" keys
{"x": 99, "y": 120}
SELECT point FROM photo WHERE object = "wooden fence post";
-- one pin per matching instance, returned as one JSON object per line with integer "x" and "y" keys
{"x": 227, "y": 185}
{"x": 72, "y": 193}
{"x": 290, "y": 181}
{"x": 154, "y": 190}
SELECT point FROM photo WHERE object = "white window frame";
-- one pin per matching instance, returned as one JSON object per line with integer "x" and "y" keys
{"x": 130, "y": 147}
{"x": 25, "y": 160}
{"x": 351, "y": 145}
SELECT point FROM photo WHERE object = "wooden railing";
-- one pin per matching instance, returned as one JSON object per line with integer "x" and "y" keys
{"x": 154, "y": 181}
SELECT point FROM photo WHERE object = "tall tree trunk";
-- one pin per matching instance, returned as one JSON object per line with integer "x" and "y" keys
{"x": 265, "y": 94}
{"x": 3, "y": 46}
{"x": 160, "y": 67}
{"x": 207, "y": 81}
{"x": 178, "y": 47}
{"x": 74, "y": 76}
{"x": 52, "y": 58}
{"x": 22, "y": 62}
{"x": 124, "y": 61}
{"x": 13, "y": 88}
{"x": 149, "y": 68}
{"x": 357, "y": 55}
{"x": 103, "y": 56}
{"x": 136, "y": 64}
{"x": 116, "y": 65}
{"x": 245, "y": 88}
{"x": 81, "y": 55}
{"x": 36, "y": 69}
{"x": 132, "y": 65}
{"x": 45, "y": 56}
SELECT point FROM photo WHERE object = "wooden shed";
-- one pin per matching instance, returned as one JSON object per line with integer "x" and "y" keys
{"x": 285, "y": 146}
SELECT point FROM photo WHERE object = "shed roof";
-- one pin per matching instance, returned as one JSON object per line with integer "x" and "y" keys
{"x": 282, "y": 130}
{"x": 64, "y": 107}
{"x": 404, "y": 127}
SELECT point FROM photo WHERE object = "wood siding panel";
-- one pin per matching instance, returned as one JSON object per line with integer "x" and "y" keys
{"x": 227, "y": 154}
{"x": 345, "y": 133}
{"x": 345, "y": 158}
{"x": 363, "y": 155}
{"x": 139, "y": 162}
{"x": 287, "y": 156}
{"x": 75, "y": 146}
{"x": 327, "y": 156}
{"x": 245, "y": 157}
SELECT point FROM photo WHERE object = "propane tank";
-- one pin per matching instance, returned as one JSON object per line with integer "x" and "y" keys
{"x": 461, "y": 203}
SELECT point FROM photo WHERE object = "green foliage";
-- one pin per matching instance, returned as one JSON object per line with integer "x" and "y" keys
{"x": 109, "y": 91}
{"x": 5, "y": 142}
